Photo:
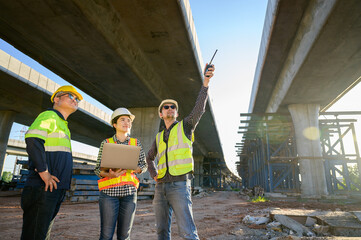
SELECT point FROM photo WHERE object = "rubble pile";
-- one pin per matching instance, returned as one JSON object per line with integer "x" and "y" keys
{"x": 199, "y": 192}
{"x": 301, "y": 223}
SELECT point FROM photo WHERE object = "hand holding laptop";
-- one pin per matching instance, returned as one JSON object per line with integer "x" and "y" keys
{"x": 112, "y": 173}
{"x": 116, "y": 170}
{"x": 117, "y": 173}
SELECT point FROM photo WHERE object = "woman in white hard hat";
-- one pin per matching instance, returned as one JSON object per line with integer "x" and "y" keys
{"x": 118, "y": 187}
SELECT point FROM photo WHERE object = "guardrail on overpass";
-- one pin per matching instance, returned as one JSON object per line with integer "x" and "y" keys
{"x": 18, "y": 148}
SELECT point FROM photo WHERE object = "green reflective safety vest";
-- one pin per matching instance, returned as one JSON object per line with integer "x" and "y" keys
{"x": 53, "y": 130}
{"x": 176, "y": 154}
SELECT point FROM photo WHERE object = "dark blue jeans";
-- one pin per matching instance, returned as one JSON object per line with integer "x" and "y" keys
{"x": 177, "y": 197}
{"x": 40, "y": 209}
{"x": 113, "y": 210}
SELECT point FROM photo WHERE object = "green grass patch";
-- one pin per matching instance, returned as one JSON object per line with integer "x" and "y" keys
{"x": 259, "y": 199}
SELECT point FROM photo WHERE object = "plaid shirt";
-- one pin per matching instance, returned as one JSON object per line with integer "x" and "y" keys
{"x": 125, "y": 190}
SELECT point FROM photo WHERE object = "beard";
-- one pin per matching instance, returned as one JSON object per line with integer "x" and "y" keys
{"x": 170, "y": 116}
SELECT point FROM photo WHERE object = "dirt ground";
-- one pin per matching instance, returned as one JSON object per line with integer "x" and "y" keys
{"x": 218, "y": 216}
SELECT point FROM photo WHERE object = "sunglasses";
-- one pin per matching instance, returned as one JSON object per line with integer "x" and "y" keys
{"x": 71, "y": 96}
{"x": 167, "y": 107}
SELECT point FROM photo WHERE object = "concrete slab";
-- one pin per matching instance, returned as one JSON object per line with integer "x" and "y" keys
{"x": 340, "y": 223}
{"x": 357, "y": 214}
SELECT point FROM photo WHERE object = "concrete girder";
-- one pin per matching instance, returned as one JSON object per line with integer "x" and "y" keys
{"x": 311, "y": 25}
{"x": 27, "y": 93}
{"x": 310, "y": 53}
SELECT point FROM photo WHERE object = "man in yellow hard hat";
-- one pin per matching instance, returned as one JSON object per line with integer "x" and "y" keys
{"x": 174, "y": 171}
{"x": 50, "y": 164}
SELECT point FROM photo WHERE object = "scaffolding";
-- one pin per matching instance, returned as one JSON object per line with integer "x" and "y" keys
{"x": 212, "y": 172}
{"x": 268, "y": 155}
{"x": 342, "y": 160}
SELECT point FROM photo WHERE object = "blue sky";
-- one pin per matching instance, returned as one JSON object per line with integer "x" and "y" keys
{"x": 234, "y": 27}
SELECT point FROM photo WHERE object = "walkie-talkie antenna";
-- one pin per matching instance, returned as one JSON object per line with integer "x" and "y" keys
{"x": 213, "y": 57}
{"x": 209, "y": 64}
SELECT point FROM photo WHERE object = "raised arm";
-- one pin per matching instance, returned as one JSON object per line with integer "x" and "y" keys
{"x": 194, "y": 117}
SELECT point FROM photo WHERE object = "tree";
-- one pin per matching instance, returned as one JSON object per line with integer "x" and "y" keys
{"x": 354, "y": 174}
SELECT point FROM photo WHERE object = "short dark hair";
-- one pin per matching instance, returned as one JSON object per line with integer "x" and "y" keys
{"x": 115, "y": 121}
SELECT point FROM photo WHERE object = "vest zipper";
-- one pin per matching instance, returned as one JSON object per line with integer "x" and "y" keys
{"x": 166, "y": 155}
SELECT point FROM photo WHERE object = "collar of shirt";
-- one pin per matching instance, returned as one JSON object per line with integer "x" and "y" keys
{"x": 118, "y": 141}
{"x": 171, "y": 126}
{"x": 57, "y": 112}
{"x": 167, "y": 131}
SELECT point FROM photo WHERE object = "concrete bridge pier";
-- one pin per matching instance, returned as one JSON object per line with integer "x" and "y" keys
{"x": 305, "y": 121}
{"x": 6, "y": 122}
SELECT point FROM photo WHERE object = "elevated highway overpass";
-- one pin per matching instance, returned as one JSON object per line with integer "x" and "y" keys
{"x": 310, "y": 56}
{"x": 25, "y": 93}
{"x": 121, "y": 53}
{"x": 18, "y": 148}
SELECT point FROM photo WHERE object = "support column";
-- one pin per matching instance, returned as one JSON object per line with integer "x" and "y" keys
{"x": 145, "y": 127}
{"x": 305, "y": 121}
{"x": 198, "y": 171}
{"x": 6, "y": 122}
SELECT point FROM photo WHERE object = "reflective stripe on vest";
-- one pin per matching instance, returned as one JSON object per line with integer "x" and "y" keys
{"x": 127, "y": 178}
{"x": 179, "y": 152}
{"x": 54, "y": 130}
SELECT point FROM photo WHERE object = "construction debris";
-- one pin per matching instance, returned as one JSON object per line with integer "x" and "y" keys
{"x": 310, "y": 222}
{"x": 357, "y": 214}
{"x": 306, "y": 223}
{"x": 320, "y": 229}
{"x": 247, "y": 194}
{"x": 218, "y": 215}
{"x": 294, "y": 225}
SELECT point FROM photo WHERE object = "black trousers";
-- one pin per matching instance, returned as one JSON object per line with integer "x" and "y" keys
{"x": 40, "y": 209}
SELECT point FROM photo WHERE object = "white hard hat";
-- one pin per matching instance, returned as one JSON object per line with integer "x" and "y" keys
{"x": 167, "y": 101}
{"x": 120, "y": 112}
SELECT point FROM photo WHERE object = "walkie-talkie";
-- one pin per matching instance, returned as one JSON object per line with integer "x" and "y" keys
{"x": 209, "y": 64}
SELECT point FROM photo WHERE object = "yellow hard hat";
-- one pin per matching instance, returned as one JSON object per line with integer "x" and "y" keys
{"x": 66, "y": 88}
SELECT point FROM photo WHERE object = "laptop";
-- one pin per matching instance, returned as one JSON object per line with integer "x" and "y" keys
{"x": 117, "y": 156}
